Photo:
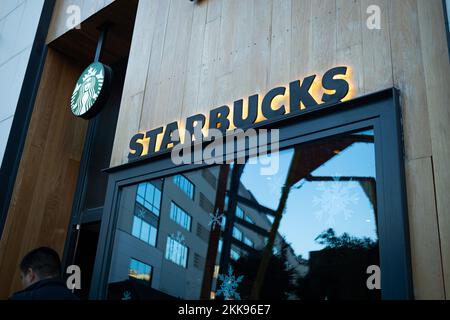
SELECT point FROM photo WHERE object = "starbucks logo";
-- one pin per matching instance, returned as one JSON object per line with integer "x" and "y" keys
{"x": 89, "y": 93}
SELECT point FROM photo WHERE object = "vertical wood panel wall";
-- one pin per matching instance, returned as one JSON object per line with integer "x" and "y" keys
{"x": 190, "y": 57}
{"x": 41, "y": 203}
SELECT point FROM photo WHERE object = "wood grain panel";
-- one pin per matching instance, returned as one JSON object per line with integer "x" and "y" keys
{"x": 349, "y": 43}
{"x": 301, "y": 34}
{"x": 136, "y": 75}
{"x": 323, "y": 42}
{"x": 437, "y": 79}
{"x": 423, "y": 225}
{"x": 193, "y": 71}
{"x": 280, "y": 49}
{"x": 42, "y": 199}
{"x": 376, "y": 44}
{"x": 408, "y": 76}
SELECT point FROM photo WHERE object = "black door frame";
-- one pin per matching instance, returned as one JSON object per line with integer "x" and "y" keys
{"x": 380, "y": 111}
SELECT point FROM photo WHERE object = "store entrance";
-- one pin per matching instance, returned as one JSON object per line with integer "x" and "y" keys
{"x": 84, "y": 254}
{"x": 91, "y": 189}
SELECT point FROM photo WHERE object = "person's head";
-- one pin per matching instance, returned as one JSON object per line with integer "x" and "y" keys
{"x": 39, "y": 264}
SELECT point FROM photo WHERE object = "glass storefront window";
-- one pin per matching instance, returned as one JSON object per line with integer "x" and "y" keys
{"x": 327, "y": 235}
{"x": 317, "y": 246}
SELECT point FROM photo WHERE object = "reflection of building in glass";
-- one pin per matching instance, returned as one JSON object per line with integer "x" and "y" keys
{"x": 165, "y": 225}
{"x": 163, "y": 232}
{"x": 177, "y": 251}
{"x": 140, "y": 271}
{"x": 260, "y": 217}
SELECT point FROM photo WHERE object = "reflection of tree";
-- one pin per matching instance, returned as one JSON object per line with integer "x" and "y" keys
{"x": 305, "y": 160}
{"x": 279, "y": 283}
{"x": 329, "y": 239}
{"x": 339, "y": 270}
{"x": 267, "y": 253}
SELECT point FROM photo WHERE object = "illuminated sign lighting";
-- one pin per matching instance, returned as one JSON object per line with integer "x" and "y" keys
{"x": 275, "y": 104}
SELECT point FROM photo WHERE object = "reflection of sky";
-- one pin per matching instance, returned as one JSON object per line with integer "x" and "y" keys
{"x": 300, "y": 224}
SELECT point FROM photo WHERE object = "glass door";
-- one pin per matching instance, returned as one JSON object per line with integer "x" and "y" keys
{"x": 297, "y": 224}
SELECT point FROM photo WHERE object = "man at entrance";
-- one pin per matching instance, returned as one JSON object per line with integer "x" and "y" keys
{"x": 40, "y": 272}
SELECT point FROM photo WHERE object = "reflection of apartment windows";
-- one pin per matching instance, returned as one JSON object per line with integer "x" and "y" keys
{"x": 176, "y": 252}
{"x": 180, "y": 216}
{"x": 249, "y": 219}
{"x": 144, "y": 231}
{"x": 239, "y": 212}
{"x": 234, "y": 255}
{"x": 248, "y": 242}
{"x": 237, "y": 234}
{"x": 206, "y": 204}
{"x": 149, "y": 196}
{"x": 185, "y": 185}
{"x": 140, "y": 271}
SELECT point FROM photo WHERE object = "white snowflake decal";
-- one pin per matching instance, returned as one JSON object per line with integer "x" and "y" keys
{"x": 335, "y": 198}
{"x": 141, "y": 213}
{"x": 229, "y": 285}
{"x": 216, "y": 219}
{"x": 126, "y": 295}
{"x": 178, "y": 237}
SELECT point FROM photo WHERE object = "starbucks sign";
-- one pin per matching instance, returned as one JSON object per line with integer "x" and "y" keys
{"x": 91, "y": 90}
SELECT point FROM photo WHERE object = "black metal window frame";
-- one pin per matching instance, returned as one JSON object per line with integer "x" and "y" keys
{"x": 379, "y": 111}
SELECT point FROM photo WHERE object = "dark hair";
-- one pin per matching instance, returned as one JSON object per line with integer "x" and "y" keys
{"x": 44, "y": 261}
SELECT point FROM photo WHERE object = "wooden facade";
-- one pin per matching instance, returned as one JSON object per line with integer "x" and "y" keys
{"x": 40, "y": 207}
{"x": 203, "y": 55}
{"x": 189, "y": 57}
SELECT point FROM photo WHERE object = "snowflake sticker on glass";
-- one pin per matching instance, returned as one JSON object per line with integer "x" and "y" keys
{"x": 335, "y": 198}
{"x": 141, "y": 213}
{"x": 216, "y": 219}
{"x": 126, "y": 296}
{"x": 229, "y": 285}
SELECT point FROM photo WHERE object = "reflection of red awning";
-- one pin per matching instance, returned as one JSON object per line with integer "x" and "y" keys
{"x": 308, "y": 157}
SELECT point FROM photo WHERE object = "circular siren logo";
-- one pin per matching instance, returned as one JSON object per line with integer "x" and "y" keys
{"x": 91, "y": 90}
